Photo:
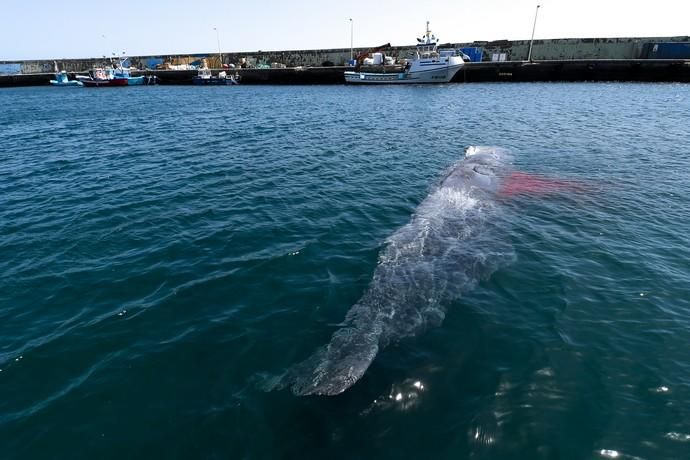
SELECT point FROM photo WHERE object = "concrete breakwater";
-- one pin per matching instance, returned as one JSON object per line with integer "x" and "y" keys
{"x": 596, "y": 59}
{"x": 508, "y": 50}
{"x": 642, "y": 70}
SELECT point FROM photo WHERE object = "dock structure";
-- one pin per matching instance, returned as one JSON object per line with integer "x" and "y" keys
{"x": 662, "y": 59}
{"x": 580, "y": 70}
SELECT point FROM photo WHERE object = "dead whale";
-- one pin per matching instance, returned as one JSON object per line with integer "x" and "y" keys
{"x": 454, "y": 239}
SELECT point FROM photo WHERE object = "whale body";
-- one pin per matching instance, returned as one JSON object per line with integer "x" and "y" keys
{"x": 455, "y": 238}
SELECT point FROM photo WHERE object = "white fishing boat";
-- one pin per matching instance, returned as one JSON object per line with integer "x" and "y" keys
{"x": 430, "y": 65}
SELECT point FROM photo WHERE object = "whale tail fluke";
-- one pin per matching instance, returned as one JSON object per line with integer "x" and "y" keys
{"x": 335, "y": 367}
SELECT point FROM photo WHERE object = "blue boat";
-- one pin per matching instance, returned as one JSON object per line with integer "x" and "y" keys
{"x": 121, "y": 72}
{"x": 61, "y": 79}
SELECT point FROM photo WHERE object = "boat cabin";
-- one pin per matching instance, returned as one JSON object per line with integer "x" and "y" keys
{"x": 427, "y": 46}
{"x": 204, "y": 73}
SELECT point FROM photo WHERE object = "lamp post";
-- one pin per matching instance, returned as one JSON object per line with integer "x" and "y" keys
{"x": 351, "y": 35}
{"x": 220, "y": 56}
{"x": 529, "y": 54}
{"x": 105, "y": 45}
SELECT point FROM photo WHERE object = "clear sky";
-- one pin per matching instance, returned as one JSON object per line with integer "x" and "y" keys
{"x": 41, "y": 29}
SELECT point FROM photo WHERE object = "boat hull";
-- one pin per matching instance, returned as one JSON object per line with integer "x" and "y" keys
{"x": 439, "y": 74}
{"x": 214, "y": 81}
{"x": 105, "y": 83}
{"x": 135, "y": 81}
{"x": 71, "y": 83}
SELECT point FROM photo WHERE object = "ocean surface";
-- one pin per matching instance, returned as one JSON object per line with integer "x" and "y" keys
{"x": 167, "y": 252}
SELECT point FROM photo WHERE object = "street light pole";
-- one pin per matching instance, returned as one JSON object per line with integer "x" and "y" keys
{"x": 220, "y": 56}
{"x": 351, "y": 35}
{"x": 529, "y": 55}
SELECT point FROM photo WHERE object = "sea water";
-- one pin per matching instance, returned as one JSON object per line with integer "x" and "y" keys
{"x": 167, "y": 251}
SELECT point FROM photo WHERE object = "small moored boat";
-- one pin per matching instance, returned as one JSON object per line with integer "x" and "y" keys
{"x": 62, "y": 79}
{"x": 103, "y": 78}
{"x": 121, "y": 72}
{"x": 124, "y": 72}
{"x": 204, "y": 77}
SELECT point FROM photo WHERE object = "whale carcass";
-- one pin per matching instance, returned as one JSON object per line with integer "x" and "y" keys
{"x": 455, "y": 238}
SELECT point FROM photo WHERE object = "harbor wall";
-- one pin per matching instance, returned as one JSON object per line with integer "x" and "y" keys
{"x": 639, "y": 70}
{"x": 516, "y": 50}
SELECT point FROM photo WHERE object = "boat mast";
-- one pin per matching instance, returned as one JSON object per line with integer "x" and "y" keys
{"x": 534, "y": 27}
{"x": 220, "y": 55}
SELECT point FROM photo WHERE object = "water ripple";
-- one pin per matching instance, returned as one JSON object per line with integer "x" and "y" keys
{"x": 162, "y": 247}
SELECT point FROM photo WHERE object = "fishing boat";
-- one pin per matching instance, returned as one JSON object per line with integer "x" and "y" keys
{"x": 100, "y": 77}
{"x": 430, "y": 65}
{"x": 121, "y": 72}
{"x": 204, "y": 77}
{"x": 116, "y": 75}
